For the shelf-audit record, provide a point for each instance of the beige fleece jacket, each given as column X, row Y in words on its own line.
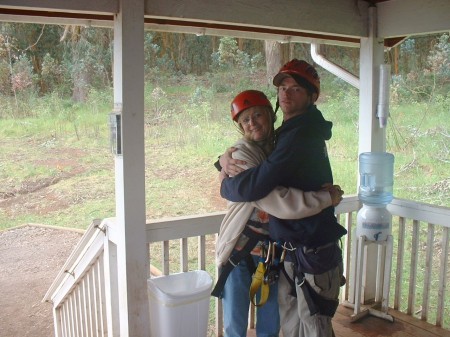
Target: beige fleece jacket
column 282, row 202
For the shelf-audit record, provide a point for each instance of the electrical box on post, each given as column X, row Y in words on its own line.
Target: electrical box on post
column 115, row 132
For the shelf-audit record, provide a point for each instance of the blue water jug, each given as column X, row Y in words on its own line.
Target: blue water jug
column 376, row 173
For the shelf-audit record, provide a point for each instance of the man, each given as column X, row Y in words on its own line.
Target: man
column 299, row 160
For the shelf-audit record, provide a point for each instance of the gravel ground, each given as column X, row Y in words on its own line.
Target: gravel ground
column 30, row 259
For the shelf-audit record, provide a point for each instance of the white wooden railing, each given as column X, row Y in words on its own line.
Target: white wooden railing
column 78, row 293
column 85, row 296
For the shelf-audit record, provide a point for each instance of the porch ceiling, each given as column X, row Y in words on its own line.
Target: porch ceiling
column 341, row 22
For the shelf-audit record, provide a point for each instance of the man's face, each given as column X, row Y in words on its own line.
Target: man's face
column 294, row 99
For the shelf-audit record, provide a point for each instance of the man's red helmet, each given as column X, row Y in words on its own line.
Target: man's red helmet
column 248, row 99
column 302, row 72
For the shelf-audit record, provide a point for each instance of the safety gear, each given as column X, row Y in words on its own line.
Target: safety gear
column 259, row 284
column 317, row 303
column 302, row 72
column 248, row 99
column 267, row 272
column 234, row 259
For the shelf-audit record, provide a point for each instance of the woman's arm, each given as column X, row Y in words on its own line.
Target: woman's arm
column 292, row 203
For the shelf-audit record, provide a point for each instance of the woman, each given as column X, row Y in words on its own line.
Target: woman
column 247, row 223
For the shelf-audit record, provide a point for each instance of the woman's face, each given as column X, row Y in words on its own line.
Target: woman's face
column 255, row 123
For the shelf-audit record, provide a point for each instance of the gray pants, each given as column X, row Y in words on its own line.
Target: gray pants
column 296, row 320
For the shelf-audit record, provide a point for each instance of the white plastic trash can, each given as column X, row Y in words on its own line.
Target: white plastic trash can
column 179, row 304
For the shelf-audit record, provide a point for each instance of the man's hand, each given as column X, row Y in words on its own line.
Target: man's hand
column 229, row 165
column 336, row 193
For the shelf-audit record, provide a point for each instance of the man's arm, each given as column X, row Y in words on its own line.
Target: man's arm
column 256, row 182
column 292, row 203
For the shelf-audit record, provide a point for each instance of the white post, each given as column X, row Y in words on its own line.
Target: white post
column 372, row 138
column 132, row 249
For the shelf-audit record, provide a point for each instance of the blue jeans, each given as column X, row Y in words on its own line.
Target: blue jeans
column 236, row 304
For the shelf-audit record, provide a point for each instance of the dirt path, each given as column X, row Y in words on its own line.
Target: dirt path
column 30, row 259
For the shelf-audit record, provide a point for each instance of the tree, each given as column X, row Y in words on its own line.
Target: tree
column 88, row 57
column 33, row 42
column 274, row 59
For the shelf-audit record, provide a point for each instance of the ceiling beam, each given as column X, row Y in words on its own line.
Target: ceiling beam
column 340, row 18
column 339, row 22
column 61, row 6
column 256, row 33
column 344, row 18
column 58, row 18
column 398, row 18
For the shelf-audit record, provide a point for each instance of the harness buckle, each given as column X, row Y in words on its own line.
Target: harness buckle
column 291, row 248
column 302, row 282
column 269, row 253
column 233, row 263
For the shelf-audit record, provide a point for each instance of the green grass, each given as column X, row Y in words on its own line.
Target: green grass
column 419, row 140
column 69, row 144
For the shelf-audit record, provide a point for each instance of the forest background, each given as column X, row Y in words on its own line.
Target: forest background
column 56, row 167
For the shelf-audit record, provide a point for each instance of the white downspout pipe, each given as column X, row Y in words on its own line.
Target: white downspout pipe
column 332, row 67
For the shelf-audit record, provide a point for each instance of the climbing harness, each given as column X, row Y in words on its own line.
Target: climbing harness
column 317, row 303
column 238, row 256
column 264, row 274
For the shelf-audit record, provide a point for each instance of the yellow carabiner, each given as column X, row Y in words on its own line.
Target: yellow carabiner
column 258, row 283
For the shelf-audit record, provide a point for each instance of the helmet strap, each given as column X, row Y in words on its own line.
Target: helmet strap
column 277, row 105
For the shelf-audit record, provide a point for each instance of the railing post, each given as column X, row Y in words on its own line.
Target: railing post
column 111, row 287
column 57, row 321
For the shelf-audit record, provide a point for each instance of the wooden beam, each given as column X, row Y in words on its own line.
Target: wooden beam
column 82, row 6
column 397, row 18
column 339, row 18
column 248, row 32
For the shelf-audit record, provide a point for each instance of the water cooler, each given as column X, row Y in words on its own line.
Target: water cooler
column 376, row 179
column 374, row 226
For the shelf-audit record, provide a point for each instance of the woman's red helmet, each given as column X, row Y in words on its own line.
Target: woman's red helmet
column 247, row 99
column 302, row 72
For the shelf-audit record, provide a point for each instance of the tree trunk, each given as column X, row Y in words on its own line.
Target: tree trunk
column 80, row 86
column 396, row 56
column 240, row 42
column 274, row 59
column 80, row 72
